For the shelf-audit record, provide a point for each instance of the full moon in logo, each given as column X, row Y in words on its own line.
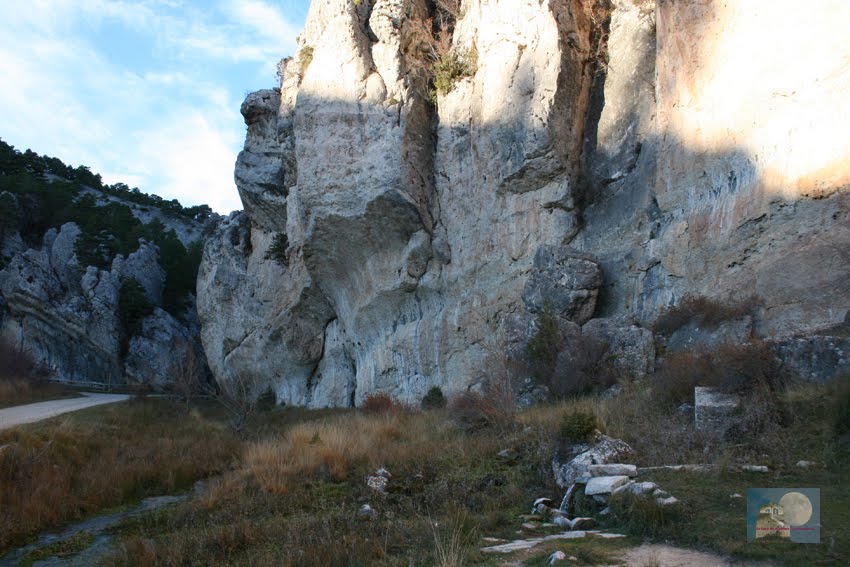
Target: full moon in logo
column 798, row 508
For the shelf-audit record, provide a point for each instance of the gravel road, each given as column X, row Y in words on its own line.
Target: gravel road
column 30, row 413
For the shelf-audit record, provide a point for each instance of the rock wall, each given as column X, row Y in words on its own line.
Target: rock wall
column 718, row 166
column 609, row 157
column 67, row 315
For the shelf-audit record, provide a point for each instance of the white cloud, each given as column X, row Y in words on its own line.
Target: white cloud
column 173, row 130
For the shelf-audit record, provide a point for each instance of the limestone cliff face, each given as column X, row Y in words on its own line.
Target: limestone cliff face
column 608, row 165
column 67, row 314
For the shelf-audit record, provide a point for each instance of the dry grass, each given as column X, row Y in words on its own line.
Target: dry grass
column 332, row 450
column 23, row 380
column 65, row 469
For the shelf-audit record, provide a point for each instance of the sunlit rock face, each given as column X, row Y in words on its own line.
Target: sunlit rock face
column 726, row 170
column 698, row 150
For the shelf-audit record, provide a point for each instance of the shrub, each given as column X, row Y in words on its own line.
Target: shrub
column 305, row 55
column 581, row 367
column 491, row 406
column 434, row 399
column 640, row 515
column 700, row 311
column 133, row 306
column 578, row 426
column 379, row 403
column 277, row 250
column 451, row 67
column 17, row 363
column 740, row 369
column 841, row 407
column 546, row 343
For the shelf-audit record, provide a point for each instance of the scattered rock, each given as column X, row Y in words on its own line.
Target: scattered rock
column 636, row 488
column 806, row 464
column 367, row 512
column 736, row 495
column 712, row 409
column 583, row 523
column 678, row 468
column 667, row 501
column 604, row 484
column 694, row 335
column 379, row 481
column 817, row 358
column 612, row 470
column 556, row 557
column 603, row 450
column 755, row 468
column 563, row 522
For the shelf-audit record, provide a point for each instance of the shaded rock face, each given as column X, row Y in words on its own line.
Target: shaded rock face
column 405, row 254
column 420, row 241
column 67, row 315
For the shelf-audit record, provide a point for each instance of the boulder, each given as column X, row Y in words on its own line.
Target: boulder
column 603, row 450
column 631, row 348
column 151, row 354
column 565, row 280
column 817, row 358
column 713, row 409
column 695, row 336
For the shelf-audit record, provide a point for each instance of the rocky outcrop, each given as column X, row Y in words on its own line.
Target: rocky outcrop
column 606, row 158
column 397, row 276
column 65, row 315
column 68, row 315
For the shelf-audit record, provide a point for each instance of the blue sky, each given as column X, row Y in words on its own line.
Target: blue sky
column 145, row 92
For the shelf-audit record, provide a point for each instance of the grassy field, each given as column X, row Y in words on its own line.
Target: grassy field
column 289, row 489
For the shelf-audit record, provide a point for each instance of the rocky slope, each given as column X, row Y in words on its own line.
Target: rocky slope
column 604, row 159
column 82, row 320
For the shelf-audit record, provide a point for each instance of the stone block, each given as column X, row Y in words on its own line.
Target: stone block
column 605, row 484
column 712, row 409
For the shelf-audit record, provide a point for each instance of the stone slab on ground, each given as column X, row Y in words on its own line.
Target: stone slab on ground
column 604, row 484
column 614, row 469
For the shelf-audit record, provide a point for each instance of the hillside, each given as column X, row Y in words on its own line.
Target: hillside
column 97, row 281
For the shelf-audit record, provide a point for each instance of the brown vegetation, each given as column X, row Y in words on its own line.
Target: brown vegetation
column 23, row 380
column 701, row 311
column 62, row 470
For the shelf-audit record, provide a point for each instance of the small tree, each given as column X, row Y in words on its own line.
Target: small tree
column 187, row 374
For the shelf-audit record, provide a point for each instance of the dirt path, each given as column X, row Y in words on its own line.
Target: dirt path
column 651, row 555
column 30, row 413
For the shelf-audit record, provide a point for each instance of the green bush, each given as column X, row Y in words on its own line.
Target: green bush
column 277, row 250
column 305, row 55
column 451, row 67
column 133, row 307
column 544, row 345
column 841, row 407
column 578, row 426
column 434, row 399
